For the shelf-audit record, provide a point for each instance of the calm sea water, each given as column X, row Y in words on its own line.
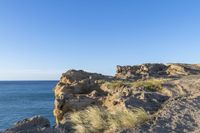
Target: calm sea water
column 24, row 99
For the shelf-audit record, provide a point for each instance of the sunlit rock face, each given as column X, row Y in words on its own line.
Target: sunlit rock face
column 156, row 70
column 141, row 71
column 76, row 90
column 166, row 92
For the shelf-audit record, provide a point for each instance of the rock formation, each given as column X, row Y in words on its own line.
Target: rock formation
column 156, row 70
column 168, row 93
column 75, row 91
column 31, row 125
column 180, row 114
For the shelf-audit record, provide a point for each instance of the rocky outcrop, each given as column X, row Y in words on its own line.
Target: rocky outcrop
column 168, row 93
column 141, row 71
column 156, row 70
column 76, row 90
column 37, row 124
column 79, row 89
column 180, row 114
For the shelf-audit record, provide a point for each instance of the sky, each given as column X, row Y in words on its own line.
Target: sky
column 41, row 39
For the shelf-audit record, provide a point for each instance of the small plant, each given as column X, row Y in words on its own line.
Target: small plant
column 154, row 85
column 150, row 84
column 98, row 120
column 116, row 84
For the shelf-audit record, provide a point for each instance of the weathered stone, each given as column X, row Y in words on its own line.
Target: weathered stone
column 149, row 101
column 75, row 91
column 156, row 70
column 140, row 71
column 32, row 125
column 78, row 89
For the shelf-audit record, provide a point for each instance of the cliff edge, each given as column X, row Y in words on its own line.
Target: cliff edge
column 143, row 98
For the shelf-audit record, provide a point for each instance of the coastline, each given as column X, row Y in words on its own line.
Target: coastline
column 147, row 93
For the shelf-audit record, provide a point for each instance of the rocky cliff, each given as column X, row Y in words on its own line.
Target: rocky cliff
column 156, row 70
column 143, row 98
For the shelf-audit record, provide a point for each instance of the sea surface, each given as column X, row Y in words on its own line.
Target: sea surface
column 24, row 99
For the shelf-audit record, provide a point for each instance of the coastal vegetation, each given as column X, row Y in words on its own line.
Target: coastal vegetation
column 153, row 84
column 140, row 98
column 97, row 120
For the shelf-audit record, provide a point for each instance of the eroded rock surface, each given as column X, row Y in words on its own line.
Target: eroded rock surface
column 149, row 101
column 181, row 114
column 156, row 70
column 184, row 81
column 173, row 106
column 37, row 124
column 76, row 90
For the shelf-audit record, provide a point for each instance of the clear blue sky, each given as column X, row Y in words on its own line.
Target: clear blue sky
column 40, row 39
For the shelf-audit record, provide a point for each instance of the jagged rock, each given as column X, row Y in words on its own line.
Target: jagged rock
column 74, row 91
column 183, row 69
column 175, row 108
column 141, row 71
column 37, row 124
column 79, row 89
column 78, row 82
column 156, row 70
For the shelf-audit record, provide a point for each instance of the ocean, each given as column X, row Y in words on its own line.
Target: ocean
column 24, row 99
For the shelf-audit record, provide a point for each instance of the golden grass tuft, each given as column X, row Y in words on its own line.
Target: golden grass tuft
column 98, row 120
column 127, row 119
column 150, row 84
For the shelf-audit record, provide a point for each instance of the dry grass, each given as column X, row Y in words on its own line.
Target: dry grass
column 150, row 84
column 98, row 120
column 116, row 84
column 127, row 119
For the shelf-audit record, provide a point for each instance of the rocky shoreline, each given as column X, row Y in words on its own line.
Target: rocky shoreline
column 156, row 97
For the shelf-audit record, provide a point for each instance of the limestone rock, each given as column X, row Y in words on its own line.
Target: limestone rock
column 173, row 106
column 35, row 124
column 149, row 101
column 76, row 90
column 156, row 70
column 141, row 71
column 179, row 114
